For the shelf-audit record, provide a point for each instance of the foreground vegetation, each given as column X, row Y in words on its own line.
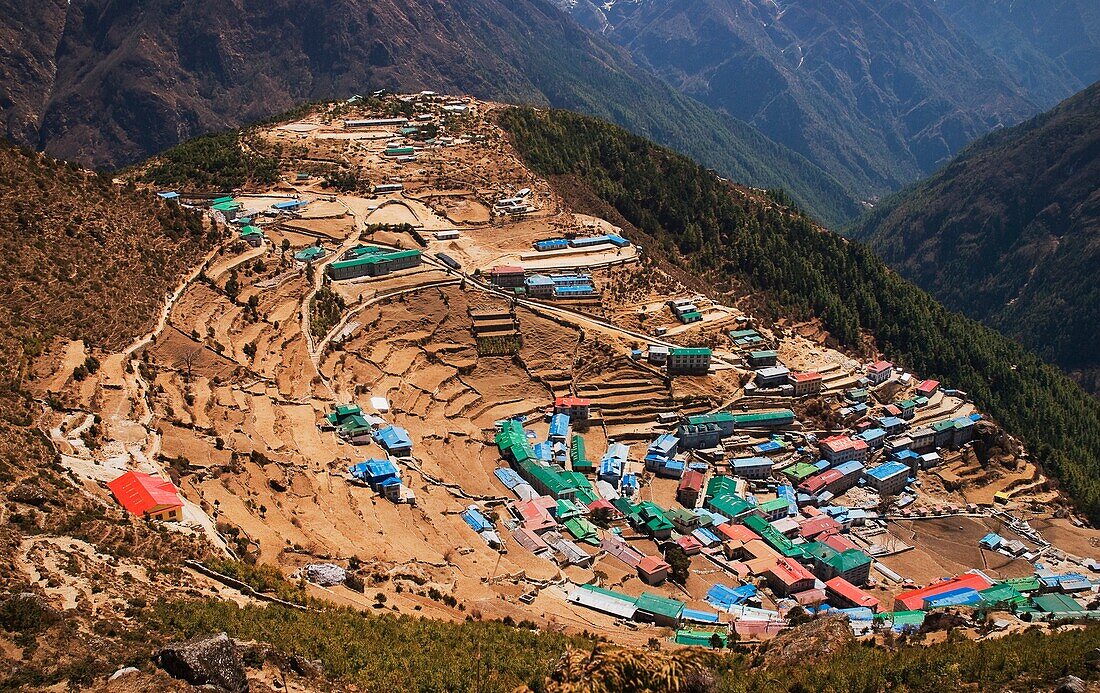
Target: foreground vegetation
column 405, row 653
column 383, row 653
column 804, row 271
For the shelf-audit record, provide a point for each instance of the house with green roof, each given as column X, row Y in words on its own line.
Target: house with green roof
column 774, row 538
column 799, row 472
column 662, row 611
column 851, row 564
column 310, row 253
column 733, row 507
column 373, row 264
column 688, row 361
column 583, row 530
column 764, row 419
column 649, row 518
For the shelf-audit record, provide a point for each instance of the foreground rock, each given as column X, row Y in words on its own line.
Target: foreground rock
column 212, row 660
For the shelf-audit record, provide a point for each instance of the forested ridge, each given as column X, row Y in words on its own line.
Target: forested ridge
column 1009, row 234
column 803, row 270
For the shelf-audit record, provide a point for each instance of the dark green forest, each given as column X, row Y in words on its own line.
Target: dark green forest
column 211, row 162
column 804, row 271
column 1009, row 234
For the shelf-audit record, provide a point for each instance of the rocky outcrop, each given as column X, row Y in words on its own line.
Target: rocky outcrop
column 210, row 660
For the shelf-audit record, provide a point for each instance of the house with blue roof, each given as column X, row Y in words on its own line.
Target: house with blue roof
column 559, row 428
column 888, row 478
column 395, row 440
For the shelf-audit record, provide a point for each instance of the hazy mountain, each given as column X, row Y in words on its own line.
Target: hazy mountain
column 107, row 82
column 1051, row 47
column 876, row 93
column 1009, row 233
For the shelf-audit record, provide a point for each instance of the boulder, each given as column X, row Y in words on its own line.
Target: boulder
column 209, row 660
column 1069, row 684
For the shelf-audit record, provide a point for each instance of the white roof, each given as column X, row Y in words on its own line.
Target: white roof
column 380, row 404
column 602, row 602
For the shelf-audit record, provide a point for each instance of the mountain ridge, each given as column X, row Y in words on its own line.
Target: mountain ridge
column 876, row 94
column 1008, row 233
column 125, row 81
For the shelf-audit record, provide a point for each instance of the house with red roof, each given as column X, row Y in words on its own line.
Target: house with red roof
column 914, row 599
column 927, row 388
column 844, row 594
column 653, row 570
column 508, row 276
column 805, row 383
column 689, row 544
column 149, row 496
column 573, row 407
column 816, row 526
column 839, row 449
column 787, row 577
column 691, row 484
column 880, row 371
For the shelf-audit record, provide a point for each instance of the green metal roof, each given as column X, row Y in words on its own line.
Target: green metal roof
column 716, row 418
column 1023, row 584
column 690, row 351
column 764, row 354
column 774, row 537
column 750, row 418
column 250, row 230
column 729, row 505
column 1001, row 593
column 848, row 559
column 1055, row 603
column 774, row 505
column 721, row 485
column 583, row 530
column 661, row 606
column 699, row 638
column 800, row 471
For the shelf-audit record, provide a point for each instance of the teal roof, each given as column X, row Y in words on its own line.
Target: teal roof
column 662, row 606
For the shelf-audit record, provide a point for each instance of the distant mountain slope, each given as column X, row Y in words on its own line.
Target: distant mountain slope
column 1009, row 233
column 725, row 237
column 1052, row 47
column 112, row 82
column 876, row 93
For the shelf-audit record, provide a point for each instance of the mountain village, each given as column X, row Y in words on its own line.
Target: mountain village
column 448, row 385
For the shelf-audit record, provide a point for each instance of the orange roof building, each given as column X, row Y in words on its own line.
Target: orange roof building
column 846, row 594
column 148, row 496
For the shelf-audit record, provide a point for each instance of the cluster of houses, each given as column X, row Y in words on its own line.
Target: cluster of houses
column 560, row 286
column 383, row 476
column 685, row 310
column 562, row 243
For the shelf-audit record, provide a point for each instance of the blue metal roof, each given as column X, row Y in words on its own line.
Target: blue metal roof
column 559, row 426
column 539, row 280
column 851, row 467
column 394, row 437
column 508, row 477
column 887, row 470
column 700, row 616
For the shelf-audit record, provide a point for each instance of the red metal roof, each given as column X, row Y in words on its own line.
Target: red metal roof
column 838, row 542
column 914, row 599
column 691, row 480
column 689, row 544
column 879, row 366
column 817, row 525
column 736, row 532
column 572, row 402
column 790, row 572
column 850, row 592
column 804, row 377
column 652, row 564
column 506, row 269
column 928, row 385
column 142, row 493
column 835, row 444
